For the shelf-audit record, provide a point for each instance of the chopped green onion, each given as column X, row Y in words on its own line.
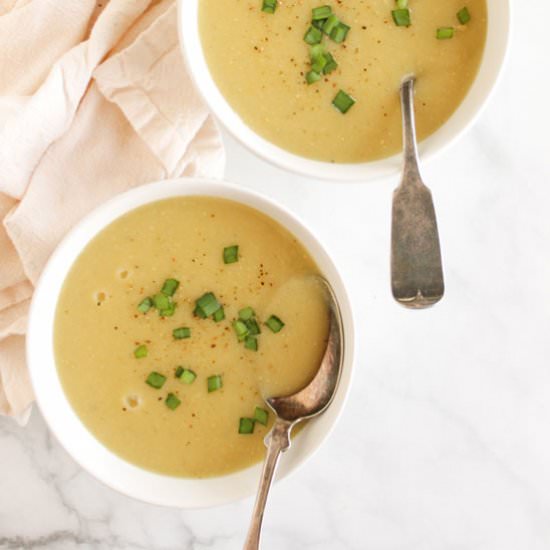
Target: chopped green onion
column 251, row 343
column 156, row 380
column 274, row 323
column 269, row 6
column 161, row 301
column 330, row 24
column 241, row 330
column 402, row 17
column 231, row 254
column 339, row 33
column 253, row 327
column 313, row 36
column 318, row 64
column 145, row 305
column 312, row 77
column 187, row 376
column 181, row 333
column 246, row 425
column 317, row 50
column 322, row 12
column 214, row 383
column 401, row 4
column 169, row 287
column 330, row 65
column 463, row 16
column 208, row 304
column 198, row 312
column 140, row 352
column 318, row 59
column 179, row 371
column 169, row 311
column 261, row 415
column 172, row 401
column 246, row 313
column 343, row 102
column 318, row 23
column 444, row 33
column 219, row 315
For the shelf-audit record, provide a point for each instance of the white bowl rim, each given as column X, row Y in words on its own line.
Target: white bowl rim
column 489, row 74
column 71, row 433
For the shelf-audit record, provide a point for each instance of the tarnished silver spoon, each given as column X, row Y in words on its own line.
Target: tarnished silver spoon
column 416, row 271
column 307, row 403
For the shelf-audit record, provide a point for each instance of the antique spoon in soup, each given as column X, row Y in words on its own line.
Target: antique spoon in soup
column 307, row 403
column 416, row 272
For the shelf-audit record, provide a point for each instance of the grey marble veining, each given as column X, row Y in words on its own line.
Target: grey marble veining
column 444, row 443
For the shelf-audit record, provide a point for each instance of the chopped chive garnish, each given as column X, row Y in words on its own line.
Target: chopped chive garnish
column 330, row 24
column 330, row 65
column 316, row 51
column 313, row 36
column 318, row 64
column 169, row 311
column 156, row 380
column 246, row 313
column 208, row 304
column 401, row 17
column 246, row 425
column 322, row 12
column 343, row 102
column 261, row 415
column 269, row 6
column 169, row 287
column 231, row 254
column 161, row 301
column 219, row 315
column 251, row 343
column 401, row 4
column 140, row 352
column 198, row 312
column 463, row 16
column 274, row 323
column 339, row 33
column 181, row 333
column 241, row 330
column 172, row 401
column 444, row 33
column 214, row 383
column 253, row 327
column 179, row 371
column 318, row 59
column 145, row 305
column 318, row 23
column 312, row 77
column 187, row 376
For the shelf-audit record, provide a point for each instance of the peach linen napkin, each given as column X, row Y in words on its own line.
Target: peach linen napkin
column 94, row 100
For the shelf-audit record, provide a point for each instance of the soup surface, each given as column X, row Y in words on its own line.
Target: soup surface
column 260, row 61
column 108, row 341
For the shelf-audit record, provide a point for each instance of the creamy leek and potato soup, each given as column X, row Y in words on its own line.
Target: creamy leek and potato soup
column 176, row 321
column 321, row 78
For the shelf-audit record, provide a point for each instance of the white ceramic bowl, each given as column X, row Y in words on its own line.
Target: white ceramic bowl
column 489, row 72
column 75, row 437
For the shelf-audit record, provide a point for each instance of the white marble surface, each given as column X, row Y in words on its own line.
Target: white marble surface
column 445, row 442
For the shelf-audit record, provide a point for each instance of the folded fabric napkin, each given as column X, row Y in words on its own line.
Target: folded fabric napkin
column 94, row 100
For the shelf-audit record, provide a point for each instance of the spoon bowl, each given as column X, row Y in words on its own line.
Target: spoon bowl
column 317, row 395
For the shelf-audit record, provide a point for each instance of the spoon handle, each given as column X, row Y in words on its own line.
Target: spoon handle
column 277, row 442
column 410, row 149
column 416, row 269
